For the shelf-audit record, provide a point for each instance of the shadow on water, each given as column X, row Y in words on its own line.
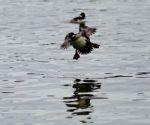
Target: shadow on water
column 83, row 92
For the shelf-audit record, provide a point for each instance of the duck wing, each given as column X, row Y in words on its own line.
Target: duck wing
column 66, row 43
column 88, row 31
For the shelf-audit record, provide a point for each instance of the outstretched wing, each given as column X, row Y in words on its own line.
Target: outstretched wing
column 66, row 42
column 88, row 31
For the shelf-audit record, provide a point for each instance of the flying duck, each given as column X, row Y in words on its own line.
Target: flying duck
column 78, row 19
column 80, row 42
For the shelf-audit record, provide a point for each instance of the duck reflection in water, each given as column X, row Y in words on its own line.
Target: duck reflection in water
column 79, row 103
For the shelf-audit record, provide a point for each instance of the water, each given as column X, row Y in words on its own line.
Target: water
column 40, row 84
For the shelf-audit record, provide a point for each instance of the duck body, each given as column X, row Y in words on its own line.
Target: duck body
column 80, row 43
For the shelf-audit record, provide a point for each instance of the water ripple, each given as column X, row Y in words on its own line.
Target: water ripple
column 84, row 91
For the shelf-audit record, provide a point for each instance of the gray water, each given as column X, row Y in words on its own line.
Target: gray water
column 40, row 84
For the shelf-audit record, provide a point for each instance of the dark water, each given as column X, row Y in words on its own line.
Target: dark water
column 40, row 84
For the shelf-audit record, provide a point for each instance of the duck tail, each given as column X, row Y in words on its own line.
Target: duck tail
column 94, row 45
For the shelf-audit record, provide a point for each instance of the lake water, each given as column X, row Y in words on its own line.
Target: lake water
column 40, row 84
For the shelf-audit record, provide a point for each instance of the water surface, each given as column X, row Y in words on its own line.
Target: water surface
column 40, row 84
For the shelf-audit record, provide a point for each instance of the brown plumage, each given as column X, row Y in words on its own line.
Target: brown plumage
column 80, row 42
column 87, row 30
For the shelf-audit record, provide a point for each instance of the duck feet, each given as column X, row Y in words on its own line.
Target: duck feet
column 76, row 56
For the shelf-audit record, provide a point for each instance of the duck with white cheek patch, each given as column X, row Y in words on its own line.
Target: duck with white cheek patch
column 80, row 42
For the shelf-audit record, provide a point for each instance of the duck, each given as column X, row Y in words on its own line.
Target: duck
column 80, row 42
column 78, row 19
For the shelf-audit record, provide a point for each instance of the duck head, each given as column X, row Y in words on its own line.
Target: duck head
column 82, row 15
column 71, row 35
